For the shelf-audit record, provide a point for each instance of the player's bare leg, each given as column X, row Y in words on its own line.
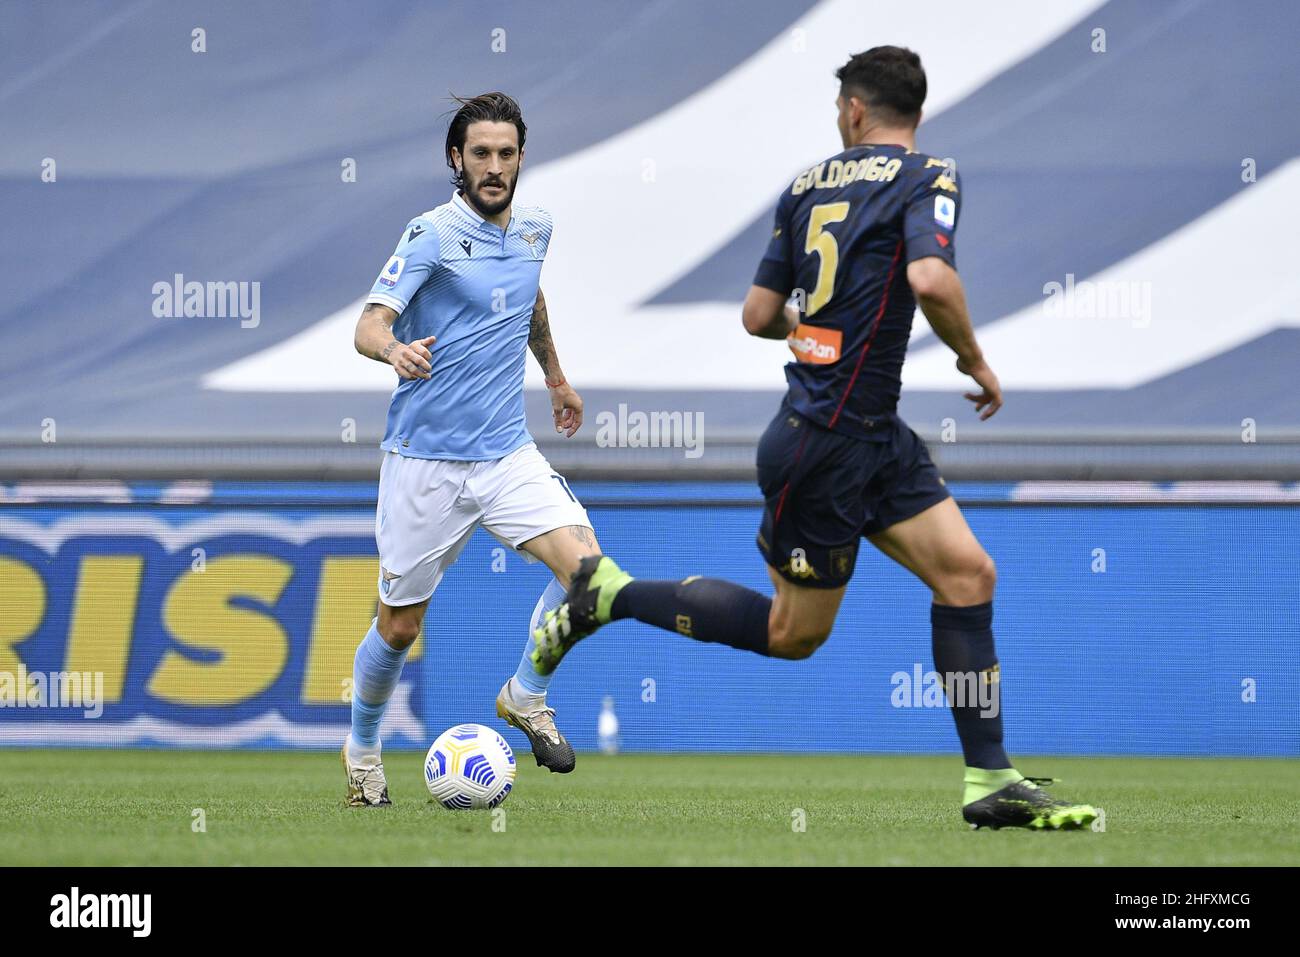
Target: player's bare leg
column 400, row 626
column 377, row 667
column 939, row 548
column 525, row 707
column 801, row 617
column 562, row 549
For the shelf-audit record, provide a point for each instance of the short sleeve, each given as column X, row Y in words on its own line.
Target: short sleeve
column 776, row 270
column 930, row 218
column 407, row 269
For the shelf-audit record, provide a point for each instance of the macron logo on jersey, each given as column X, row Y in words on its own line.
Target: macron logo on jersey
column 945, row 212
column 392, row 271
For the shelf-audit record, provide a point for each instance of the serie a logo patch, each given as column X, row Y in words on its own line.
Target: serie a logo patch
column 392, row 271
column 945, row 211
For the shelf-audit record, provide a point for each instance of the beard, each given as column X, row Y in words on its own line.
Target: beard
column 485, row 205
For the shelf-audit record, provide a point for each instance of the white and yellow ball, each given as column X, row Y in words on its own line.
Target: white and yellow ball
column 470, row 767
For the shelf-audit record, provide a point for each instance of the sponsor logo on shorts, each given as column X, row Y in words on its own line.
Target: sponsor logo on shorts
column 816, row 344
column 798, row 566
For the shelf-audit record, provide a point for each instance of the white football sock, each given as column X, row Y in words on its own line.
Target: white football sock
column 357, row 751
column 521, row 697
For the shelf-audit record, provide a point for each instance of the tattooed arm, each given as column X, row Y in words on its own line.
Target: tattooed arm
column 374, row 340
column 566, row 404
column 540, row 342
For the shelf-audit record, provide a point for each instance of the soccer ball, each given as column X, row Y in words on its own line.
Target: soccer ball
column 470, row 767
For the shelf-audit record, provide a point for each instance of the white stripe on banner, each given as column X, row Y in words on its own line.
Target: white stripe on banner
column 645, row 207
column 173, row 537
column 1222, row 280
column 1109, row 493
column 399, row 721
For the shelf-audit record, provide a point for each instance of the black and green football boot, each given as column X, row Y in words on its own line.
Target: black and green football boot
column 1023, row 803
column 586, row 607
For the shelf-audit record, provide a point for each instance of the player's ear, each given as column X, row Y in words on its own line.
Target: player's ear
column 857, row 112
column 455, row 158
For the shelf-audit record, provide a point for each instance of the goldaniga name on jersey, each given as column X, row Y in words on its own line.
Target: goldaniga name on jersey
column 873, row 169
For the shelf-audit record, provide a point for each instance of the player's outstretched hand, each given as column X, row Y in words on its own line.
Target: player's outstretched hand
column 414, row 361
column 989, row 400
column 566, row 406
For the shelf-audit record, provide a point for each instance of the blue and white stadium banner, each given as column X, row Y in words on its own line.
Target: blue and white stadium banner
column 1123, row 264
column 1134, row 619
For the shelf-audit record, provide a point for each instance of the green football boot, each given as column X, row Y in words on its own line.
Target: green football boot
column 586, row 607
column 1023, row 803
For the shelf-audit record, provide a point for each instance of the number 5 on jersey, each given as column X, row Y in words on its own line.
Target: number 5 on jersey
column 822, row 243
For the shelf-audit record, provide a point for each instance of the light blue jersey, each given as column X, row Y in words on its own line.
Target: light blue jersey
column 458, row 277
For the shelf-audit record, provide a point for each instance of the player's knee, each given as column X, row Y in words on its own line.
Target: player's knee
column 804, row 646
column 985, row 577
column 400, row 631
column 970, row 583
column 793, row 643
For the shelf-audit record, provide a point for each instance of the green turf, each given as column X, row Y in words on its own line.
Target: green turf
column 136, row 807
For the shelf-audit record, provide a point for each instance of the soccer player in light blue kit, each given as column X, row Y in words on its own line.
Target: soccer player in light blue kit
column 453, row 312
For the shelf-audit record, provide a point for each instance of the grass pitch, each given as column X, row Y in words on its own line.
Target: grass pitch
column 139, row 807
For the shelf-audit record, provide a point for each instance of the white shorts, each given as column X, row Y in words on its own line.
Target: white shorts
column 429, row 508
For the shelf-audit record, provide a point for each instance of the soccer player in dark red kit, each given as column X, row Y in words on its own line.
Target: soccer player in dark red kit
column 859, row 241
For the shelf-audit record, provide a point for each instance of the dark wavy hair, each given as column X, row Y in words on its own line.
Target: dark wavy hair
column 490, row 107
column 890, row 80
